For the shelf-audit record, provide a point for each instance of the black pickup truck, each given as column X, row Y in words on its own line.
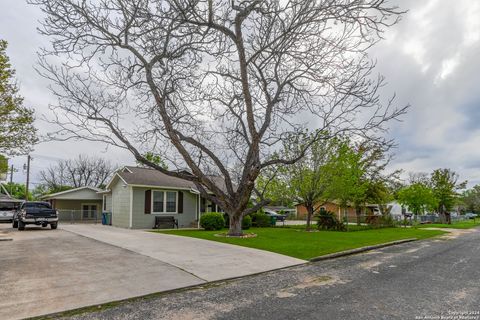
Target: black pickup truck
column 38, row 213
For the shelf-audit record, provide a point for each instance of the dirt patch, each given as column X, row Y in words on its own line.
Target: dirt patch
column 421, row 246
column 206, row 311
column 452, row 233
column 310, row 282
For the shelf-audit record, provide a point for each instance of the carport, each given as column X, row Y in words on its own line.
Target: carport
column 82, row 204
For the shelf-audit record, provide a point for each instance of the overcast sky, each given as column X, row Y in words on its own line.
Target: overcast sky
column 431, row 60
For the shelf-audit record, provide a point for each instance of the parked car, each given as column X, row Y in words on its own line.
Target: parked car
column 7, row 210
column 38, row 213
column 470, row 215
column 271, row 213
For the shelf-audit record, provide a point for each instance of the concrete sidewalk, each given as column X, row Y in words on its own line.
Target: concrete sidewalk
column 207, row 260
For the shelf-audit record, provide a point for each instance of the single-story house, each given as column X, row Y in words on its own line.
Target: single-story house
column 330, row 206
column 84, row 203
column 135, row 196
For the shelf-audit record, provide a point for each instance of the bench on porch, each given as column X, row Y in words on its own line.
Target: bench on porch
column 165, row 222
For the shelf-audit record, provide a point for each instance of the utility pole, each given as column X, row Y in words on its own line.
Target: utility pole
column 11, row 174
column 11, row 179
column 28, row 176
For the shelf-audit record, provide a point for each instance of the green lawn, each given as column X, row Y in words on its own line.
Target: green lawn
column 455, row 225
column 305, row 245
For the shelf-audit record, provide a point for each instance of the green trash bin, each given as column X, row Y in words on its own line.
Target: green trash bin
column 273, row 221
column 107, row 218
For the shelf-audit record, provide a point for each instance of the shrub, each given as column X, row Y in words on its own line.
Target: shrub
column 246, row 222
column 212, row 221
column 384, row 221
column 327, row 220
column 260, row 220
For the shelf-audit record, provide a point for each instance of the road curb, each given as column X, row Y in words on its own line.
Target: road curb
column 360, row 250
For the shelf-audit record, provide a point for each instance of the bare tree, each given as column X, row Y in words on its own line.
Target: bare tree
column 79, row 172
column 215, row 86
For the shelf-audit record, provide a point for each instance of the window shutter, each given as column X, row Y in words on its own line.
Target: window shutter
column 202, row 205
column 180, row 202
column 148, row 201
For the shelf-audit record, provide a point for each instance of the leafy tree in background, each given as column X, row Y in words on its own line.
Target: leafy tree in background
column 381, row 192
column 17, row 133
column 307, row 181
column 310, row 179
column 418, row 197
column 471, row 199
column 347, row 184
column 274, row 186
column 42, row 189
column 3, row 166
column 17, row 190
column 445, row 188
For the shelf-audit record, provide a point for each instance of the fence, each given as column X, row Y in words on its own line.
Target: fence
column 80, row 216
column 433, row 218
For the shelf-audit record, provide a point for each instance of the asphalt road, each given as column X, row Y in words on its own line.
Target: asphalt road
column 418, row 280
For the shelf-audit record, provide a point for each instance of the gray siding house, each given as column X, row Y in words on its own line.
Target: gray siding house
column 135, row 195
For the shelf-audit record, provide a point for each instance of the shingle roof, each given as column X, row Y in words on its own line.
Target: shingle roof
column 150, row 177
column 61, row 193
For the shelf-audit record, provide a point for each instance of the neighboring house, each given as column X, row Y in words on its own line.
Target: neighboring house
column 327, row 206
column 135, row 196
column 84, row 203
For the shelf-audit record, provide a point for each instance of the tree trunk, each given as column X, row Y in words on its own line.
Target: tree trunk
column 235, row 229
column 358, row 211
column 448, row 217
column 309, row 216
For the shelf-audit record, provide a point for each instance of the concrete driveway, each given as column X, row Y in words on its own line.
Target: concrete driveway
column 207, row 260
column 44, row 271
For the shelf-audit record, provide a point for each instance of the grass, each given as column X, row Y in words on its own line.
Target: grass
column 295, row 242
column 455, row 225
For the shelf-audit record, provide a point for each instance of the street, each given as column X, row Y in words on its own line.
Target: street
column 418, row 280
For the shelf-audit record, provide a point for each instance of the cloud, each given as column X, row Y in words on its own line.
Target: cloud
column 430, row 61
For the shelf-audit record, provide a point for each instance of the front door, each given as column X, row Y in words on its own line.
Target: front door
column 89, row 211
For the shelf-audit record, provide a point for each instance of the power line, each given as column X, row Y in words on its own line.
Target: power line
column 47, row 157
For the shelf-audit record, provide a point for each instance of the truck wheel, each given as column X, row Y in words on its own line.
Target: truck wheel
column 15, row 224
column 21, row 225
column 53, row 225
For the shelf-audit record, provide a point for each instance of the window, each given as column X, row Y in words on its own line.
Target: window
column 37, row 205
column 158, row 201
column 89, row 211
column 164, row 202
column 171, row 201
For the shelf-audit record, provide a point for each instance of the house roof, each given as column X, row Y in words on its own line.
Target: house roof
column 69, row 194
column 151, row 177
column 148, row 177
column 4, row 197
